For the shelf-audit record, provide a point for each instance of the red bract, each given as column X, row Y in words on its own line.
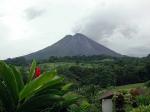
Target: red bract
column 37, row 71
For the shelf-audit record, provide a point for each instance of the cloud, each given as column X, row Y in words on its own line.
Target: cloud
column 1, row 15
column 104, row 22
column 4, row 32
column 139, row 51
column 32, row 13
column 119, row 25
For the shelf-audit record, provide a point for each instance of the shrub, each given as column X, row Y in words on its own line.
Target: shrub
column 84, row 107
column 92, row 93
column 143, row 100
column 137, row 91
column 142, row 109
column 119, row 103
column 48, row 92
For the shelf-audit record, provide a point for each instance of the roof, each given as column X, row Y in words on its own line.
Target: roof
column 107, row 95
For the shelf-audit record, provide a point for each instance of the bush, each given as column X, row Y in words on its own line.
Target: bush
column 92, row 93
column 142, row 109
column 143, row 100
column 84, row 107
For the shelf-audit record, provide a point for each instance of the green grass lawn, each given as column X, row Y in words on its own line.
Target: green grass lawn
column 68, row 64
column 128, row 87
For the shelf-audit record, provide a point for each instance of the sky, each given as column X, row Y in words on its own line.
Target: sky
column 27, row 26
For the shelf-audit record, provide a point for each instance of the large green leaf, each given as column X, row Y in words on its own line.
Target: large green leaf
column 67, row 86
column 53, row 84
column 54, row 87
column 18, row 77
column 49, row 91
column 36, row 104
column 9, row 79
column 36, row 84
column 70, row 98
column 32, row 71
column 6, row 98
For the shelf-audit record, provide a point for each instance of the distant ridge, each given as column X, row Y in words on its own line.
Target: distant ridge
column 72, row 45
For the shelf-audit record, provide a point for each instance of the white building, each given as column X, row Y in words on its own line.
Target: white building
column 107, row 104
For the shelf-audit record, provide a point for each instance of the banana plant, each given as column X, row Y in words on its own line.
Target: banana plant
column 46, row 93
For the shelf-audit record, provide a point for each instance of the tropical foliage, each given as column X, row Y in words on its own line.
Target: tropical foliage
column 143, row 100
column 46, row 93
column 142, row 109
column 106, row 72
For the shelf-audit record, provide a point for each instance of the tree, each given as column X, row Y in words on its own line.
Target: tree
column 19, row 61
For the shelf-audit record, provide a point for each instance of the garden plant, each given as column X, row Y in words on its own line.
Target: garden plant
column 46, row 92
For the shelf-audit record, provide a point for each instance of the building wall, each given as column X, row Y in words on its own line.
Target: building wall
column 107, row 105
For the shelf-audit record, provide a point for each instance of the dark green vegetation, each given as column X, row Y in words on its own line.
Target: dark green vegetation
column 102, row 71
column 142, row 109
column 19, row 61
column 93, row 75
column 98, row 70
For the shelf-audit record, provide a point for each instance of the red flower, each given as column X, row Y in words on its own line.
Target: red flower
column 37, row 71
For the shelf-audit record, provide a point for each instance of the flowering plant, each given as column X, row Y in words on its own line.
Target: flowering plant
column 45, row 92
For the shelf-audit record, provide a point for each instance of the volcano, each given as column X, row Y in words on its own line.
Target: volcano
column 73, row 45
